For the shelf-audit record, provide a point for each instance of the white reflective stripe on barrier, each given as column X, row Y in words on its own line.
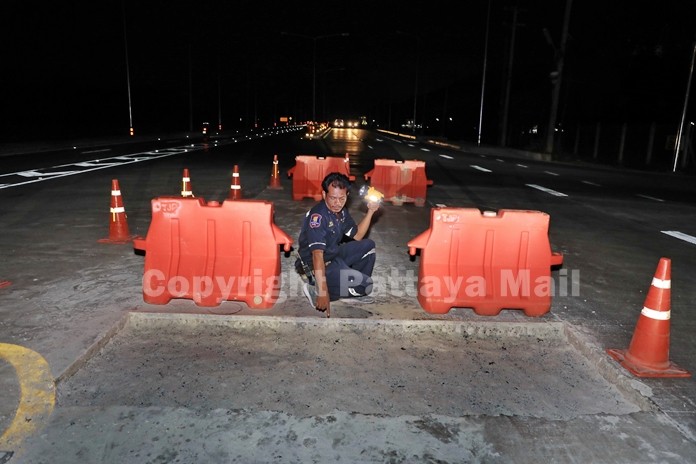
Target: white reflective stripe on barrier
column 657, row 315
column 235, row 174
column 235, row 187
column 115, row 193
column 659, row 283
column 118, row 209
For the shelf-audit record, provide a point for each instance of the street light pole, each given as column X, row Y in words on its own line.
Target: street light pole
column 314, row 80
column 683, row 118
column 314, row 62
column 483, row 79
column 415, row 88
column 125, row 43
column 555, row 95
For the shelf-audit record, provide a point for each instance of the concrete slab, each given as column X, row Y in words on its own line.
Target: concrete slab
column 216, row 388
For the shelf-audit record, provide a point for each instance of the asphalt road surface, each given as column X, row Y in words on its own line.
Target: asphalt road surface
column 89, row 372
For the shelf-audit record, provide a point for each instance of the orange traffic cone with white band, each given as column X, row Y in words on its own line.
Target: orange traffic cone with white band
column 118, row 226
column 235, row 188
column 275, row 175
column 186, row 191
column 648, row 353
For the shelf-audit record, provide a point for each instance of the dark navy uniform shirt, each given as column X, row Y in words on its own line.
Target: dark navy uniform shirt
column 323, row 230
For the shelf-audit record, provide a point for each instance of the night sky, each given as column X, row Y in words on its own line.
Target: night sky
column 65, row 72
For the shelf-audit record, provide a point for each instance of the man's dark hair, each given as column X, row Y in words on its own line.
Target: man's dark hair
column 335, row 179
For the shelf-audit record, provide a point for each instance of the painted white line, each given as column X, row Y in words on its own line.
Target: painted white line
column 551, row 173
column 544, row 189
column 500, row 160
column 522, row 165
column 425, row 149
column 91, row 164
column 590, row 183
column 95, row 151
column 680, row 236
column 94, row 165
column 480, row 168
column 447, row 157
column 649, row 197
column 45, row 174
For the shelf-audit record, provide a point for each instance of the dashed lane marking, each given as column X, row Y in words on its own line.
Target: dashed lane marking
column 648, row 197
column 37, row 394
column 547, row 190
column 680, row 235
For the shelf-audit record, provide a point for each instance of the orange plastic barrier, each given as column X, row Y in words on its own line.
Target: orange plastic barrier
column 212, row 252
column 400, row 181
column 485, row 261
column 309, row 171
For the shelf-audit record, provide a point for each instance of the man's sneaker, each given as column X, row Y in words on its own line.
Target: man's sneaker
column 365, row 299
column 311, row 294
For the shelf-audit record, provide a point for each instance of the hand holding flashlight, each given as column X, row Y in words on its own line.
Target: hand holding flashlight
column 371, row 196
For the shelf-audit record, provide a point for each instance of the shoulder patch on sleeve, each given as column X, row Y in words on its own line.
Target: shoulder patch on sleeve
column 315, row 221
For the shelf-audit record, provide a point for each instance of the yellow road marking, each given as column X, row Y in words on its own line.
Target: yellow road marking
column 37, row 393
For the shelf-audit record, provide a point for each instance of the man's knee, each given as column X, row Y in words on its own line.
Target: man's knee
column 368, row 248
column 350, row 278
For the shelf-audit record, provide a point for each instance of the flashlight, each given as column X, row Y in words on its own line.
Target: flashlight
column 371, row 194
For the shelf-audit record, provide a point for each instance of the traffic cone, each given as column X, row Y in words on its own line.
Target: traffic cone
column 275, row 175
column 186, row 190
column 235, row 188
column 118, row 226
column 648, row 353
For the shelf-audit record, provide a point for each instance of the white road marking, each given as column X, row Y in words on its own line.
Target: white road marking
column 45, row 174
column 544, row 189
column 680, row 236
column 649, row 197
column 40, row 175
